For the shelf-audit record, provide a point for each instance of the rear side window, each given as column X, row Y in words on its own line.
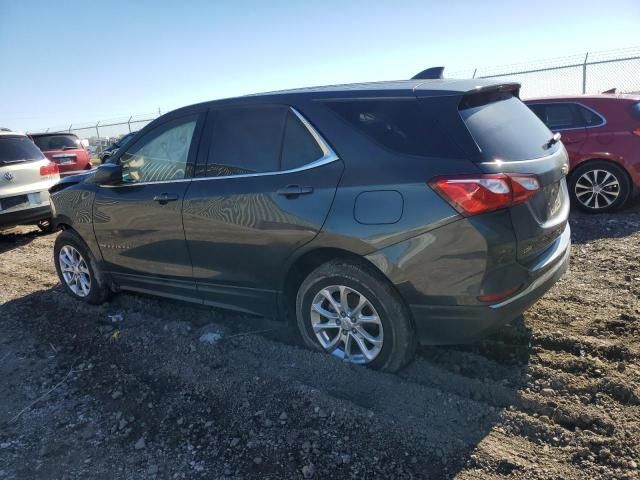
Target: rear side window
column 57, row 142
column 506, row 129
column 590, row 118
column 635, row 110
column 299, row 147
column 16, row 149
column 399, row 125
column 246, row 140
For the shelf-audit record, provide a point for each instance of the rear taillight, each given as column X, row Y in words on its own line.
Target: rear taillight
column 49, row 169
column 475, row 194
column 636, row 132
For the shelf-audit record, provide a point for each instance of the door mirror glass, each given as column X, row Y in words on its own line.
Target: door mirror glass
column 108, row 174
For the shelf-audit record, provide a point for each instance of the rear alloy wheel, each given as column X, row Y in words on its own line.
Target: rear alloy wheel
column 352, row 312
column 346, row 324
column 600, row 187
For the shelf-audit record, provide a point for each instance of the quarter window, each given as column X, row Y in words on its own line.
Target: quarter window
column 560, row 116
column 161, row 155
column 591, row 119
column 399, row 125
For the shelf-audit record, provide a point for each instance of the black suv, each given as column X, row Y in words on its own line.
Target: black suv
column 372, row 216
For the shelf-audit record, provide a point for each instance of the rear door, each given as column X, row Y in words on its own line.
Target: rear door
column 267, row 187
column 564, row 117
column 138, row 223
column 512, row 140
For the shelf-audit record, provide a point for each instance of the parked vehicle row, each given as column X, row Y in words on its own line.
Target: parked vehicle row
column 374, row 216
column 602, row 136
column 25, row 178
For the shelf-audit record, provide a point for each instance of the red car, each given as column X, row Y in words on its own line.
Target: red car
column 602, row 135
column 64, row 149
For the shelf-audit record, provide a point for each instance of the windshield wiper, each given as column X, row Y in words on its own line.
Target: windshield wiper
column 555, row 139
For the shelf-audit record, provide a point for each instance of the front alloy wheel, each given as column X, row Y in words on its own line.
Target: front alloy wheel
column 75, row 271
column 346, row 324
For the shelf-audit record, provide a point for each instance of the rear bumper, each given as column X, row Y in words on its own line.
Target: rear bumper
column 447, row 324
column 25, row 216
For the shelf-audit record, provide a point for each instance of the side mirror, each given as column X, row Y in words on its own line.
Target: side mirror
column 108, row 174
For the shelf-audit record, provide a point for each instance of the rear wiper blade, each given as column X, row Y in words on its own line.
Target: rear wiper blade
column 555, row 139
column 9, row 162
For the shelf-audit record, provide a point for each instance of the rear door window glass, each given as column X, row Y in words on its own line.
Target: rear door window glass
column 506, row 129
column 246, row 140
column 590, row 118
column 398, row 125
column 299, row 147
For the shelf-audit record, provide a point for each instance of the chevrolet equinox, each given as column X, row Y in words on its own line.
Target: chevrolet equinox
column 372, row 216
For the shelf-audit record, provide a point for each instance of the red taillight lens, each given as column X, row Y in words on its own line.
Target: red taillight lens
column 49, row 169
column 636, row 131
column 474, row 194
column 496, row 297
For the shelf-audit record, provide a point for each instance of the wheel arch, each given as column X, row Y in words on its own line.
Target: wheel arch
column 303, row 265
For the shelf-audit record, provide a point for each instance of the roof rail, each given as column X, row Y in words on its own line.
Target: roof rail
column 430, row 74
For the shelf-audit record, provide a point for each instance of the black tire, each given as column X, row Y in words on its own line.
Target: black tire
column 99, row 290
column 46, row 226
column 399, row 341
column 583, row 175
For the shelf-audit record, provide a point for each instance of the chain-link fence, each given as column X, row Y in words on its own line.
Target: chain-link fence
column 594, row 72
column 586, row 73
column 103, row 133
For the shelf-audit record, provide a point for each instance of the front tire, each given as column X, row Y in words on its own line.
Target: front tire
column 352, row 312
column 599, row 186
column 78, row 270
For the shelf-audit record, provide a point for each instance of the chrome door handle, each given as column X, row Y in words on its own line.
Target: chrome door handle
column 165, row 198
column 294, row 190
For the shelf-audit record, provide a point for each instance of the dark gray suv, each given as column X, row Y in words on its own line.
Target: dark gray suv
column 373, row 216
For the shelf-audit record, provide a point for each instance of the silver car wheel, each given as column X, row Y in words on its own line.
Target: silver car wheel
column 75, row 271
column 597, row 189
column 346, row 324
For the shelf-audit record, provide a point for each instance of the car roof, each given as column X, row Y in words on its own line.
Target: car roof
column 598, row 96
column 48, row 134
column 433, row 87
column 9, row 133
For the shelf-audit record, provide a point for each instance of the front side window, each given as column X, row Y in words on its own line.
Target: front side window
column 246, row 140
column 161, row 155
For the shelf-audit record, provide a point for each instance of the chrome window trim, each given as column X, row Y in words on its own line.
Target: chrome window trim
column 604, row 120
column 328, row 156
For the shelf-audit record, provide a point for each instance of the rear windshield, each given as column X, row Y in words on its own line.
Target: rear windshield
column 16, row 149
column 56, row 142
column 504, row 128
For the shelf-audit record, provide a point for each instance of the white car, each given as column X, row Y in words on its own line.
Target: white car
column 25, row 178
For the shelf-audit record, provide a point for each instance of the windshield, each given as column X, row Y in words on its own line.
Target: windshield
column 56, row 142
column 18, row 148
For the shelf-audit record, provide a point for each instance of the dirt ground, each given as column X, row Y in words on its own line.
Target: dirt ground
column 128, row 390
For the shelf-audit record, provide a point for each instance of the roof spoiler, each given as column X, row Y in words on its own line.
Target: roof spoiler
column 432, row 73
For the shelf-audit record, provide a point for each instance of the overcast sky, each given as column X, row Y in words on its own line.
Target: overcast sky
column 64, row 62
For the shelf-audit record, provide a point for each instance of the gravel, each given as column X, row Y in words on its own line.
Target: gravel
column 554, row 395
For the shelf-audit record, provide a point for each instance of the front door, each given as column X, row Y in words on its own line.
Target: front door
column 138, row 223
column 267, row 189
